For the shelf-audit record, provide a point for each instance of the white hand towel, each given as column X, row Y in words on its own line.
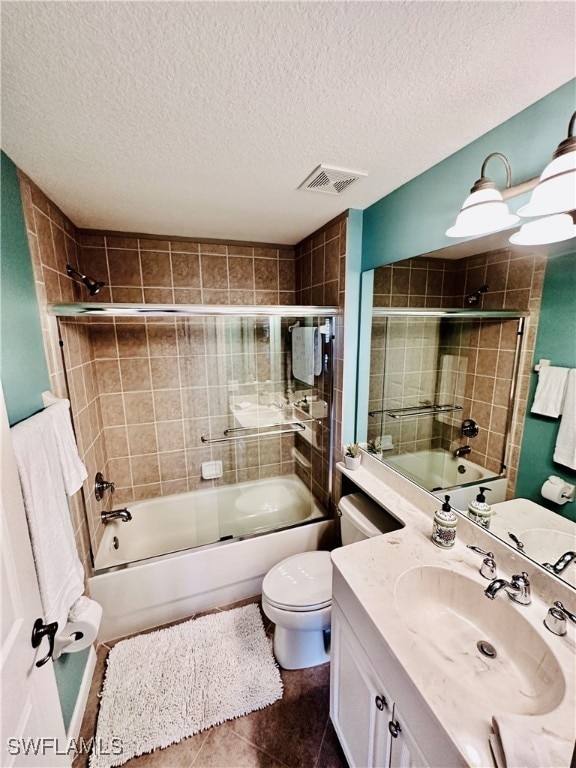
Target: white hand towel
column 60, row 573
column 317, row 353
column 516, row 745
column 73, row 470
column 303, row 354
column 549, row 394
column 565, row 451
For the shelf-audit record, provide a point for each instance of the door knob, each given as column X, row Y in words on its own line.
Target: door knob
column 41, row 630
column 394, row 728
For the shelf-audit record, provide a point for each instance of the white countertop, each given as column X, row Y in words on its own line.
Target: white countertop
column 372, row 569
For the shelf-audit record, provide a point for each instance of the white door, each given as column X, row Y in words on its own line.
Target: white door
column 32, row 730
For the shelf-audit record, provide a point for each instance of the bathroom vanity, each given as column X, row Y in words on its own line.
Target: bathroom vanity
column 422, row 660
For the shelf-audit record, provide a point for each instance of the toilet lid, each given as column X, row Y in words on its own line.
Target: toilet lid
column 300, row 583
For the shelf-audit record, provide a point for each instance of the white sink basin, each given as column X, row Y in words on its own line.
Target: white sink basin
column 449, row 614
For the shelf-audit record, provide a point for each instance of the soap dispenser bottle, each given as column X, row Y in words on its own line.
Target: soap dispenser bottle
column 444, row 526
column 479, row 511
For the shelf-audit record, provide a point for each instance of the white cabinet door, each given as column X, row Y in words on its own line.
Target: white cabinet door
column 404, row 751
column 360, row 708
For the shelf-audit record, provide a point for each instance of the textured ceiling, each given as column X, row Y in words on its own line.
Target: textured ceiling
column 202, row 119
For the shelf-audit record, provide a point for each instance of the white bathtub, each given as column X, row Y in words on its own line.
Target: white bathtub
column 438, row 469
column 156, row 574
column 441, row 472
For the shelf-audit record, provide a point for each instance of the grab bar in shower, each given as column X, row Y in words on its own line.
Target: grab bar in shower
column 295, row 426
column 417, row 410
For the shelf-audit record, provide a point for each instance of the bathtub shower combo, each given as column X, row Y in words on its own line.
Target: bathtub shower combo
column 441, row 393
column 254, row 414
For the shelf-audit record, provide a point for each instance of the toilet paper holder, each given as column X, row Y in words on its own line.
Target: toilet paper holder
column 558, row 490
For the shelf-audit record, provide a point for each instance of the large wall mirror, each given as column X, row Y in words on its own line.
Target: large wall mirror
column 450, row 341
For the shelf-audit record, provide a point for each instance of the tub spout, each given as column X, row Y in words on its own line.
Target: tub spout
column 464, row 450
column 116, row 514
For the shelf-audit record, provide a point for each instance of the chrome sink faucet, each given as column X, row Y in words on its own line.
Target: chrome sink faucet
column 518, row 589
column 116, row 514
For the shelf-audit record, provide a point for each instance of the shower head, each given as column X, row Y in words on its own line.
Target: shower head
column 474, row 298
column 93, row 285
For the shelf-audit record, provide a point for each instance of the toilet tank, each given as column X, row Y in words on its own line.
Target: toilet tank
column 362, row 518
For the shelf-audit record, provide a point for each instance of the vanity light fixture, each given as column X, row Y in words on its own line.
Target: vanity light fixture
column 93, row 286
column 484, row 210
column 556, row 189
column 554, row 199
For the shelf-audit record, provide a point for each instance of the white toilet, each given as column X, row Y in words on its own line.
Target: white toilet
column 297, row 593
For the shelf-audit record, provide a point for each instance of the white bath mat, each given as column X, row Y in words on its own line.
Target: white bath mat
column 170, row 684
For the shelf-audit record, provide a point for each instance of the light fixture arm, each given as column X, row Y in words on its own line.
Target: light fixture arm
column 484, row 182
column 569, row 143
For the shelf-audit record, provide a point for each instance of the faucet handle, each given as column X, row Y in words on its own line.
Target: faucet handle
column 555, row 620
column 488, row 567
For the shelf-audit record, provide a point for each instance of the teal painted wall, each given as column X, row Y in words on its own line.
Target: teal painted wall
column 23, row 368
column 412, row 220
column 556, row 341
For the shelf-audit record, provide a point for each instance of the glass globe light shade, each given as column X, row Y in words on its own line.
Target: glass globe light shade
column 484, row 211
column 556, row 190
column 552, row 229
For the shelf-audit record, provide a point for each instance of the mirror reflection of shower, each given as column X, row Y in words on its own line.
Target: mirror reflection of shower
column 432, row 413
column 94, row 286
column 473, row 299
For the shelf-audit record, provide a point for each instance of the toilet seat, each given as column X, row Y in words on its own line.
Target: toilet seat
column 300, row 583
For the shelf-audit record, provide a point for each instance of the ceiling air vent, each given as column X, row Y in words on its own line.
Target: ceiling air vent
column 331, row 181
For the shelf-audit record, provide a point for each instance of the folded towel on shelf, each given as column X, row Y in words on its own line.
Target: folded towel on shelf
column 73, row 470
column 549, row 394
column 565, row 450
column 60, row 572
column 304, row 346
column 516, row 745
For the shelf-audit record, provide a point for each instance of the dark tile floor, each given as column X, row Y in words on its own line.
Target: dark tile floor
column 295, row 732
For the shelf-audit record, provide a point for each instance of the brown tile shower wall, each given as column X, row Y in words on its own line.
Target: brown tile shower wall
column 162, row 387
column 144, row 269
column 515, row 279
column 320, row 280
column 53, row 242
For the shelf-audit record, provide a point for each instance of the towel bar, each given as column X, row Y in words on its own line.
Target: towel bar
column 417, row 410
column 295, row 426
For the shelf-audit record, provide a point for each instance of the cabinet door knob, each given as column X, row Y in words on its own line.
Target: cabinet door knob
column 381, row 702
column 394, row 728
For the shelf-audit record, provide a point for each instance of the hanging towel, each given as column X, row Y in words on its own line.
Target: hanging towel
column 304, row 343
column 550, row 391
column 73, row 470
column 317, row 353
column 565, row 451
column 451, row 389
column 516, row 743
column 60, row 572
